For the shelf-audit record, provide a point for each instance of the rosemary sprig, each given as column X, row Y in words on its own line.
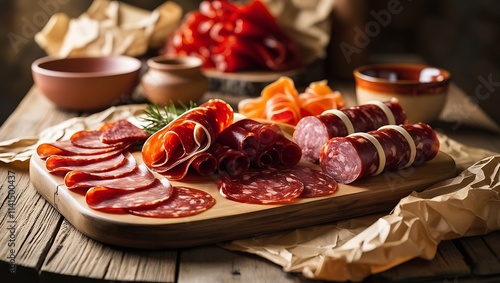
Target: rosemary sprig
column 157, row 117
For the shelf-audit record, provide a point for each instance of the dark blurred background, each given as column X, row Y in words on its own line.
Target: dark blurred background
column 461, row 36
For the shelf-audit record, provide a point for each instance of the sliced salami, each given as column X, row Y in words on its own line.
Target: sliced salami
column 139, row 178
column 350, row 158
column 89, row 163
column 240, row 139
column 312, row 132
column 261, row 187
column 290, row 152
column 67, row 148
column 316, row 183
column 121, row 201
column 122, row 131
column 229, row 161
column 183, row 202
column 75, row 176
column 91, row 139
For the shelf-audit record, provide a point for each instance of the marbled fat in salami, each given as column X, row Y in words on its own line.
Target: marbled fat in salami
column 121, row 201
column 316, row 183
column 261, row 187
column 350, row 158
column 183, row 202
column 312, row 132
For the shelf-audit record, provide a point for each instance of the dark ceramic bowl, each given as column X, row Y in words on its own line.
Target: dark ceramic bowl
column 86, row 83
column 420, row 89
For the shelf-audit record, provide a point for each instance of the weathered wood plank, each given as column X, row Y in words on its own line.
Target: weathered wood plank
column 214, row 264
column 74, row 257
column 448, row 263
column 484, row 261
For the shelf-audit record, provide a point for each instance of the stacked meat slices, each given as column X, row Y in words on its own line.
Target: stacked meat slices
column 98, row 164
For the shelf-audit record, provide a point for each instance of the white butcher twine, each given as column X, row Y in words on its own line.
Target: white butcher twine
column 388, row 113
column 409, row 139
column 343, row 117
column 378, row 146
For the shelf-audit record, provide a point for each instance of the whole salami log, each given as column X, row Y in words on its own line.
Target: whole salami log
column 350, row 158
column 312, row 132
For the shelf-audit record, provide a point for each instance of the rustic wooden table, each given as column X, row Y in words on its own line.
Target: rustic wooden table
column 49, row 249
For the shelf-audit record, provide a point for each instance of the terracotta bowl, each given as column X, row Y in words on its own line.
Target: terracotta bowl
column 86, row 83
column 421, row 89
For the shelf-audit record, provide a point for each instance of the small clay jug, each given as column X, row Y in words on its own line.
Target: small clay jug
column 174, row 79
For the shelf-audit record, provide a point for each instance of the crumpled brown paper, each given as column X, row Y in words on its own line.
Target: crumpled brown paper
column 109, row 28
column 468, row 204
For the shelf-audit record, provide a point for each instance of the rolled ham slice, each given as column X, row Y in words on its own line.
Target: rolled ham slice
column 189, row 134
column 358, row 155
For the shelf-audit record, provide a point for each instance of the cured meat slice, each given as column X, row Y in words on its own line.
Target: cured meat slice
column 121, row 201
column 350, row 158
column 123, row 131
column 190, row 133
column 261, row 187
column 229, row 161
column 316, row 183
column 91, row 139
column 203, row 162
column 89, row 163
column 238, row 138
column 290, row 152
column 183, row 202
column 75, row 176
column 139, row 178
column 312, row 132
column 67, row 148
column 268, row 157
column 266, row 134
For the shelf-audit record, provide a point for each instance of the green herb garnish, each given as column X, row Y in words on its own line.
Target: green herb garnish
column 158, row 117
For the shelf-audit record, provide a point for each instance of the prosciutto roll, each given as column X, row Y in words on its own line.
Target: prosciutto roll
column 312, row 132
column 350, row 158
column 189, row 134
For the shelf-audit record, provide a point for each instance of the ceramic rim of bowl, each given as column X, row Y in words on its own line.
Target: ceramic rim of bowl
column 174, row 62
column 124, row 65
column 404, row 86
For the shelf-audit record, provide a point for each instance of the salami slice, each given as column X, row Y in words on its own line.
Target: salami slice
column 261, row 187
column 121, row 201
column 290, row 152
column 350, row 158
column 268, row 157
column 67, row 148
column 312, row 132
column 183, row 202
column 91, row 139
column 240, row 139
column 75, row 176
column 123, row 131
column 316, row 183
column 139, row 178
column 90, row 163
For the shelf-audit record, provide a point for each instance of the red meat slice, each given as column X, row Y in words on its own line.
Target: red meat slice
column 123, row 131
column 316, row 182
column 183, row 202
column 120, row 201
column 89, row 163
column 261, row 187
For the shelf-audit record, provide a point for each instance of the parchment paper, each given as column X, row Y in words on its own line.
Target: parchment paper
column 109, row 28
column 468, row 204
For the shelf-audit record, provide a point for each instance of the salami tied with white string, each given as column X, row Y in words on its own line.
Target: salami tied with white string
column 350, row 158
column 312, row 132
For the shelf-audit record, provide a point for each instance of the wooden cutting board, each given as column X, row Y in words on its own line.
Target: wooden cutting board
column 228, row 220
